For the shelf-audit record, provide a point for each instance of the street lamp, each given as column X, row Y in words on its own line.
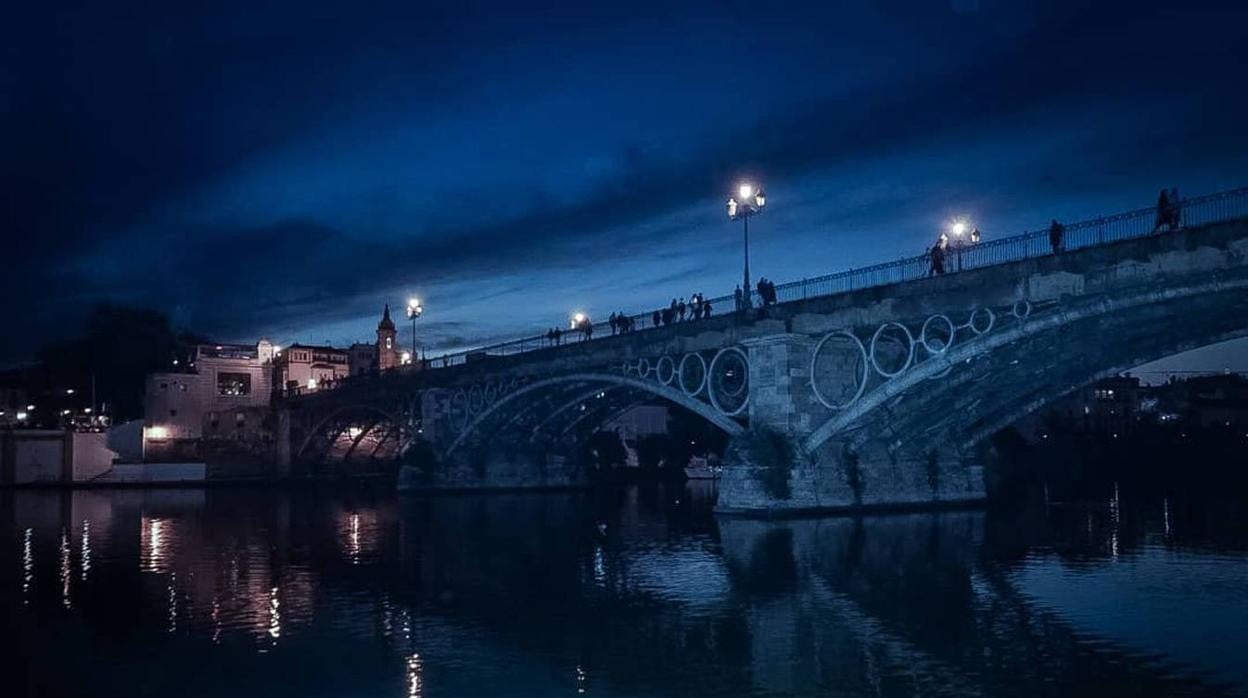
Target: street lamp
column 958, row 230
column 748, row 202
column 414, row 310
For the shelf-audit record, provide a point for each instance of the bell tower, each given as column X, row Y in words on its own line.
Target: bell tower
column 387, row 351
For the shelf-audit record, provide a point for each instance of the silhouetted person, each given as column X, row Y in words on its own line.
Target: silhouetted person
column 706, row 309
column 937, row 256
column 1163, row 211
column 736, row 295
column 1057, row 235
column 761, row 288
column 656, row 318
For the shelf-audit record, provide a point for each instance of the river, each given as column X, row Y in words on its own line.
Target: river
column 635, row 591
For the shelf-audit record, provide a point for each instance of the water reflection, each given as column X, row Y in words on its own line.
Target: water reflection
column 28, row 564
column 275, row 615
column 86, row 549
column 415, row 680
column 154, row 542
column 531, row 594
column 66, row 569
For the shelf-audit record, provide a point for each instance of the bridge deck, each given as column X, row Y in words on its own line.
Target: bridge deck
column 1139, row 223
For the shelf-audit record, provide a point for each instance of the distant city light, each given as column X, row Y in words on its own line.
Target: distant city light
column 21, row 416
column 311, row 384
column 405, row 357
column 30, row 408
column 69, row 391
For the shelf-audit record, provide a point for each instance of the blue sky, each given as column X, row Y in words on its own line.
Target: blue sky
column 284, row 169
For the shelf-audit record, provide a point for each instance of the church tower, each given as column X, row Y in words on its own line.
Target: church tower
column 387, row 349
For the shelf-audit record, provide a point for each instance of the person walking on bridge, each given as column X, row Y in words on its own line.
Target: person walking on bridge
column 936, row 259
column 1165, row 217
column 1057, row 234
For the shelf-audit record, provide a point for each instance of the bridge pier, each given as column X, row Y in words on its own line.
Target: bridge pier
column 770, row 469
column 283, row 454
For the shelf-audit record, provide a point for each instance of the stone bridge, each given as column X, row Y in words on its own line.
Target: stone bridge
column 883, row 396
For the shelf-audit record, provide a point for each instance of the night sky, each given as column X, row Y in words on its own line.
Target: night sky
column 283, row 169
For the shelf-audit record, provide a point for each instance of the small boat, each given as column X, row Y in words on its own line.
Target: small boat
column 700, row 468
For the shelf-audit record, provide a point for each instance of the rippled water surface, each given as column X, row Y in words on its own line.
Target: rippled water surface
column 635, row 592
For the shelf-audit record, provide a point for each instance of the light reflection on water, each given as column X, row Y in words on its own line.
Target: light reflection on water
column 637, row 592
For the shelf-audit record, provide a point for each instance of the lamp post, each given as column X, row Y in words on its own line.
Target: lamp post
column 958, row 229
column 751, row 202
column 414, row 310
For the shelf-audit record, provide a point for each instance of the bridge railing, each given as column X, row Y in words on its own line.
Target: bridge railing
column 1201, row 210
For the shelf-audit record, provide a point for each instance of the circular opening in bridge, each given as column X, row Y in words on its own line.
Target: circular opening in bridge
column 838, row 370
column 491, row 393
column 692, row 374
column 476, row 400
column 665, row 370
column 643, row 367
column 729, row 377
column 937, row 334
column 892, row 349
column 1022, row 309
column 982, row 320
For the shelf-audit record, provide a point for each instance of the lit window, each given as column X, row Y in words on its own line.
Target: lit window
column 233, row 384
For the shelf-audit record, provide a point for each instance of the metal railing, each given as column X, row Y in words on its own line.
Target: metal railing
column 1192, row 212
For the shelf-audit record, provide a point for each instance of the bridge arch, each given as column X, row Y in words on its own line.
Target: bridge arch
column 921, row 393
column 331, row 420
column 673, row 395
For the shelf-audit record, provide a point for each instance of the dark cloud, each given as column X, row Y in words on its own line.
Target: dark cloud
column 126, row 124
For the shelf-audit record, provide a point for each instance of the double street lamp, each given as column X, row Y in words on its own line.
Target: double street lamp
column 748, row 202
column 414, row 310
column 960, row 238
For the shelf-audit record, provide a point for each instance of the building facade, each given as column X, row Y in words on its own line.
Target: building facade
column 362, row 359
column 304, row 368
column 222, row 382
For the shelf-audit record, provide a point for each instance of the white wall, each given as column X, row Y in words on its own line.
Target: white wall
column 92, row 457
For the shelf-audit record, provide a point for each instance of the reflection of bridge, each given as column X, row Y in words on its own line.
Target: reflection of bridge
column 882, row 390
